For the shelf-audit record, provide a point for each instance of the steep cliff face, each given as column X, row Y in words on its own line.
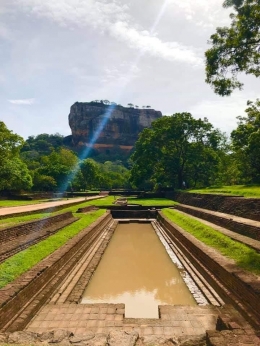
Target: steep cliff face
column 106, row 126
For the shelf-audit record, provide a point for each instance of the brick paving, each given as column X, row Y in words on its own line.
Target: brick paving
column 104, row 318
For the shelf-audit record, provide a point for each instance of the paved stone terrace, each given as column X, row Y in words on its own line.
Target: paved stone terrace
column 104, row 318
column 42, row 206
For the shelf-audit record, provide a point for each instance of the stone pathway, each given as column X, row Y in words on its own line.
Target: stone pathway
column 44, row 205
column 103, row 318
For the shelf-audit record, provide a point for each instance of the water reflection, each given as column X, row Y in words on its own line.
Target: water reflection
column 137, row 271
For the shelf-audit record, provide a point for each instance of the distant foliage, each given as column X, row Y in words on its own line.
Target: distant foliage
column 43, row 143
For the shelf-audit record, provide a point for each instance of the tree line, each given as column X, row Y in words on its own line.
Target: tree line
column 176, row 151
column 181, row 151
column 43, row 163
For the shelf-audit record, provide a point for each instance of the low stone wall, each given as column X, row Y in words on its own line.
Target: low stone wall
column 231, row 329
column 238, row 227
column 240, row 288
column 87, row 209
column 47, row 273
column 10, row 233
column 240, row 206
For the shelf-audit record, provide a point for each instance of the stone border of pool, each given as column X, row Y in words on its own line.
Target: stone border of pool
column 235, row 286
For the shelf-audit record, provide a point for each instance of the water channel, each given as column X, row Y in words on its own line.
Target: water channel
column 137, row 271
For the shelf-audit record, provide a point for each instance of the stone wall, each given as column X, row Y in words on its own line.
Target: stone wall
column 45, row 275
column 134, row 214
column 235, row 226
column 240, row 206
column 87, row 209
column 240, row 288
column 10, row 233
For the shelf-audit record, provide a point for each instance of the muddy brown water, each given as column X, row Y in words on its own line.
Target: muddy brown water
column 137, row 271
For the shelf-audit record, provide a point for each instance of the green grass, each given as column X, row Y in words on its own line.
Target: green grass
column 235, row 190
column 106, row 201
column 245, row 257
column 109, row 201
column 25, row 260
column 151, row 201
column 14, row 203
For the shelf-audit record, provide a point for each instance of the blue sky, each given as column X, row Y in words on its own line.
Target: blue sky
column 54, row 53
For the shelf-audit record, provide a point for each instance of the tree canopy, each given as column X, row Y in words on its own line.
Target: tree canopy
column 235, row 49
column 14, row 174
column 246, row 142
column 176, row 148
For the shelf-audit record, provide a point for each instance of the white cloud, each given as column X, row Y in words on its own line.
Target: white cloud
column 221, row 113
column 23, row 102
column 114, row 19
column 203, row 13
column 146, row 43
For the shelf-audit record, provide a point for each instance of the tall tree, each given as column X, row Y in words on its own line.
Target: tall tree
column 236, row 48
column 10, row 143
column 176, row 148
column 246, row 142
column 89, row 171
column 14, row 174
column 59, row 165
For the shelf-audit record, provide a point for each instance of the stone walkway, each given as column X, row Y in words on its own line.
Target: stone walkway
column 44, row 205
column 103, row 318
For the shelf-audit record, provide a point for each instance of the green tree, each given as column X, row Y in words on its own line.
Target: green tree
column 60, row 165
column 10, row 143
column 14, row 174
column 246, row 142
column 43, row 144
column 43, row 182
column 235, row 49
column 176, row 148
column 89, row 171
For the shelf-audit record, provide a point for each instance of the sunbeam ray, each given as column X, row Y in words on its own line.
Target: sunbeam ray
column 110, row 109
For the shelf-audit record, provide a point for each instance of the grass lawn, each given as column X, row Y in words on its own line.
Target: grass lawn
column 109, row 200
column 244, row 256
column 26, row 259
column 238, row 190
column 151, row 201
column 14, row 203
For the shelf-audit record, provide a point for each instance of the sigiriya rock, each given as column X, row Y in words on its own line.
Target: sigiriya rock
column 107, row 128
